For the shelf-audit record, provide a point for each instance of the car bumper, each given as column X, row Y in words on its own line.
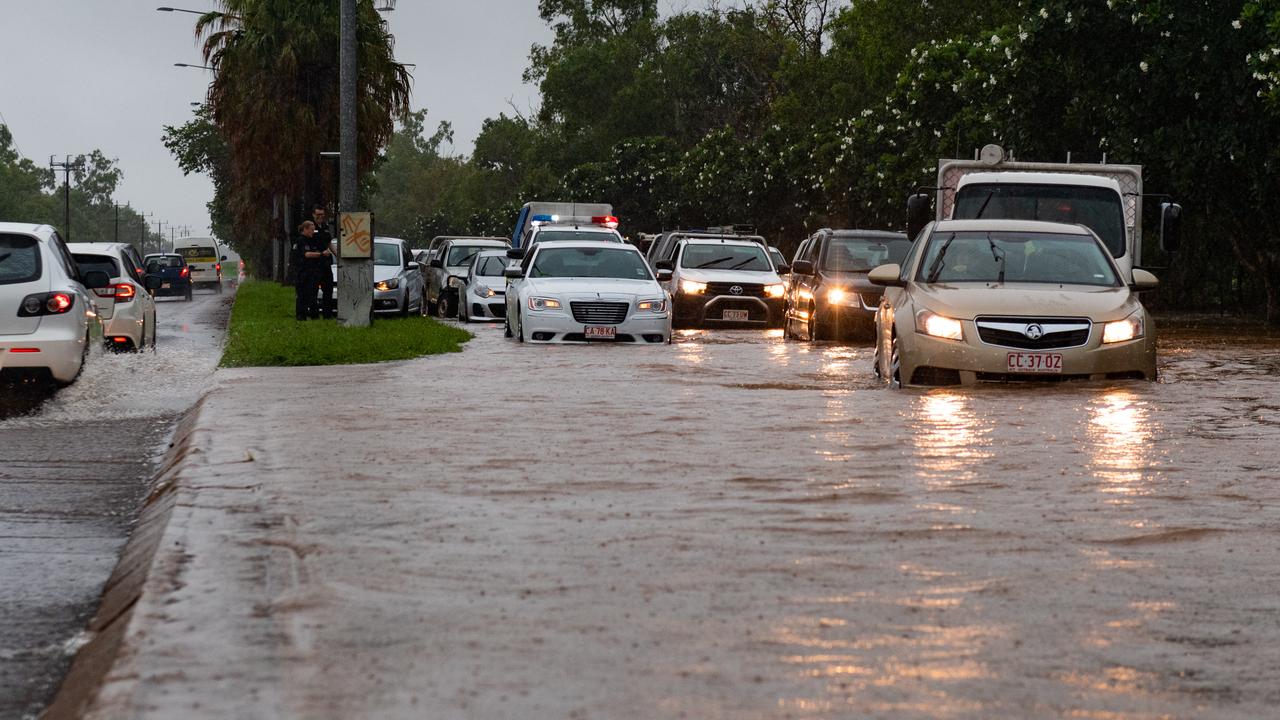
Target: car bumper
column 549, row 327
column 847, row 318
column 930, row 361
column 122, row 324
column 57, row 348
column 489, row 308
column 389, row 301
column 700, row 310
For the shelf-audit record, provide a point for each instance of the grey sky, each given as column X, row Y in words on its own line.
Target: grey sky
column 76, row 75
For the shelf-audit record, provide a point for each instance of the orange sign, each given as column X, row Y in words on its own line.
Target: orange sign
column 356, row 230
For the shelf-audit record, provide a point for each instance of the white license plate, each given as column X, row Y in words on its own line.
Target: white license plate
column 600, row 332
column 736, row 315
column 1041, row 363
column 165, row 286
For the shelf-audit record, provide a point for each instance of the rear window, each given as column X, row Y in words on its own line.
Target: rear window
column 88, row 263
column 19, row 259
column 158, row 263
column 195, row 253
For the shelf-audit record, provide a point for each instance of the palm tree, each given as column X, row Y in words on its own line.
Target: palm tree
column 275, row 95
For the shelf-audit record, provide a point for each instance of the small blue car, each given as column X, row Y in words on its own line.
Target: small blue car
column 173, row 272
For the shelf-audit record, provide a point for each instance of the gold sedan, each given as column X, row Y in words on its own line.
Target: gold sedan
column 1006, row 300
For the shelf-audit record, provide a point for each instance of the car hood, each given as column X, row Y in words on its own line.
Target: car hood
column 592, row 286
column 853, row 280
column 969, row 300
column 385, row 272
column 730, row 276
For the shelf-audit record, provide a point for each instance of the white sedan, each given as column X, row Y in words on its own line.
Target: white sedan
column 587, row 291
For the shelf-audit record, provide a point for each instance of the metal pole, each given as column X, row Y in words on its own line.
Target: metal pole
column 117, row 222
column 355, row 275
column 66, row 196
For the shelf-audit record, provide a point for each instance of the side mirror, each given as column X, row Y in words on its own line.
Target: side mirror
column 152, row 282
column 224, row 257
column 1170, row 226
column 784, row 269
column 664, row 275
column 413, row 265
column 919, row 207
column 513, row 273
column 437, row 263
column 802, row 267
column 515, row 253
column 887, row 276
column 95, row 279
column 1143, row 281
column 664, row 265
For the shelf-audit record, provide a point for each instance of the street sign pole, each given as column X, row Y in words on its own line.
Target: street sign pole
column 355, row 264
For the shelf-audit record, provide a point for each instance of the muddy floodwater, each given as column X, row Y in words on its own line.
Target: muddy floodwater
column 735, row 526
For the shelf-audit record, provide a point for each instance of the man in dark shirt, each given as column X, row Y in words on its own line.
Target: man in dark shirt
column 313, row 264
column 326, row 279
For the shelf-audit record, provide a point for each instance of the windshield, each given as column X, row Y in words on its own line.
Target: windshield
column 89, row 263
column 854, row 254
column 196, row 253
column 462, row 254
column 19, row 259
column 1096, row 208
column 491, row 266
column 1021, row 257
column 592, row 235
column 777, row 257
column 577, row 262
column 725, row 257
column 386, row 254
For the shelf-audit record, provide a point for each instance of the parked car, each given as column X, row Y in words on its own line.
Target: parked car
column 484, row 292
column 49, row 323
column 397, row 279
column 829, row 295
column 718, row 281
column 174, row 274
column 447, row 270
column 564, row 292
column 1004, row 300
column 126, row 307
column 205, row 256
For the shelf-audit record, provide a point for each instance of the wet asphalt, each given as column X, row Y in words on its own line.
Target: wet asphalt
column 74, row 465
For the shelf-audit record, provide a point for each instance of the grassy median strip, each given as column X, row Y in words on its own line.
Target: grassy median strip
column 263, row 333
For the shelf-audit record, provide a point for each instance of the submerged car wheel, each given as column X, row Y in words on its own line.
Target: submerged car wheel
column 895, row 364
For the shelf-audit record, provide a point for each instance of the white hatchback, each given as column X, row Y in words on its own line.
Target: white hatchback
column 48, row 320
column 127, row 309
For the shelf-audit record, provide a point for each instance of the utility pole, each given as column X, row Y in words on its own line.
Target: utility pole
column 66, row 166
column 160, row 231
column 355, row 275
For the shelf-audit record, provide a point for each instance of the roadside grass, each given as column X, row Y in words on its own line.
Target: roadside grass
column 263, row 333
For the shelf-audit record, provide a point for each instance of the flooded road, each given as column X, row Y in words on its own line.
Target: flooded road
column 74, row 467
column 735, row 526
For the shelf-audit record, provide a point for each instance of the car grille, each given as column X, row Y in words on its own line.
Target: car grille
column 497, row 309
column 726, row 288
column 1054, row 333
column 599, row 313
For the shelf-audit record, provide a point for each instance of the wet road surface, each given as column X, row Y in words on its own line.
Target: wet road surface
column 73, row 469
column 735, row 526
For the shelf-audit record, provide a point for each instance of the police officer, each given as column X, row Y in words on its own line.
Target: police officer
column 313, row 264
column 324, row 235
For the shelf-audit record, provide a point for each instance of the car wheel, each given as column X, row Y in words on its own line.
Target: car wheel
column 442, row 307
column 404, row 306
column 895, row 364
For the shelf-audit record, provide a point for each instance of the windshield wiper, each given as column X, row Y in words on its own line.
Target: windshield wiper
column 998, row 253
column 709, row 263
column 744, row 262
column 984, row 205
column 936, row 267
column 5, row 257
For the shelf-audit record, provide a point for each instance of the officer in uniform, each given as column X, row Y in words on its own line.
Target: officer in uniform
column 324, row 235
column 313, row 264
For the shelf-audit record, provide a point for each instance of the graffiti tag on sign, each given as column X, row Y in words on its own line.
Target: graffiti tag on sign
column 357, row 234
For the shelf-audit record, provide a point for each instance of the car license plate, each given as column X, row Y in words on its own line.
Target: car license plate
column 1046, row 363
column 736, row 315
column 165, row 286
column 600, row 332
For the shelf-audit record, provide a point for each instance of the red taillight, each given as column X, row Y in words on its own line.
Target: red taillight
column 24, row 350
column 58, row 303
column 124, row 292
column 218, row 267
column 608, row 221
column 120, row 340
column 185, row 272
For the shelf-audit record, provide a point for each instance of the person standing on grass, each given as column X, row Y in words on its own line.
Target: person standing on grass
column 314, row 257
column 325, row 235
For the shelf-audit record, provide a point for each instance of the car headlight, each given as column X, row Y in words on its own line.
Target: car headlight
column 774, row 291
column 837, row 296
column 484, row 291
column 543, row 303
column 385, row 285
column 692, row 287
column 456, row 282
column 1130, row 328
column 653, row 306
column 932, row 324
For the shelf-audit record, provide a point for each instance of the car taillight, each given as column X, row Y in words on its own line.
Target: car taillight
column 54, row 303
column 185, row 272
column 124, row 292
column 218, row 267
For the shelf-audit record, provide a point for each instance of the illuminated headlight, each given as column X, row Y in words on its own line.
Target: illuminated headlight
column 838, row 296
column 774, row 291
column 543, row 303
column 652, row 306
column 1130, row 328
column 385, row 285
column 485, row 291
column 935, row 325
column 692, row 287
column 456, row 282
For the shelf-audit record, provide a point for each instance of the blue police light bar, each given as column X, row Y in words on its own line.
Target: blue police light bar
column 543, row 218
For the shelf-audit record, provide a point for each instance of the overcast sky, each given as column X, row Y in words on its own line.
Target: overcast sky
column 78, row 75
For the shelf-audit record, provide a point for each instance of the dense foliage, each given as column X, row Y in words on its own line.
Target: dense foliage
column 797, row 114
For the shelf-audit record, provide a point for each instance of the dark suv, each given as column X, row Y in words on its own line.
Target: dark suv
column 828, row 295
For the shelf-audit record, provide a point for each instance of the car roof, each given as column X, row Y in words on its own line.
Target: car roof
column 561, row 244
column 875, row 234
column 586, row 226
column 492, row 253
column 725, row 240
column 1037, row 178
column 26, row 229
column 151, row 255
column 479, row 241
column 1009, row 226
column 91, row 247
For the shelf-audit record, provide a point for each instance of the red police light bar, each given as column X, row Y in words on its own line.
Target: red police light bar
column 608, row 221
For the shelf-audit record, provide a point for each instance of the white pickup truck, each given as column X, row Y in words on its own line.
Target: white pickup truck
column 1105, row 198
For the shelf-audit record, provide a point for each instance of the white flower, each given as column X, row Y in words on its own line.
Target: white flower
column 1235, row 24
column 995, row 39
column 1044, row 13
column 1143, row 66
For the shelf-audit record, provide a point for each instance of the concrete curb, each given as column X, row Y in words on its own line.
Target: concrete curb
column 120, row 595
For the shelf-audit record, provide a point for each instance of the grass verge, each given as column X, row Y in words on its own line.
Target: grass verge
column 263, row 333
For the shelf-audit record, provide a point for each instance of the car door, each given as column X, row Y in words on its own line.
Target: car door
column 142, row 296
column 412, row 277
column 793, row 281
